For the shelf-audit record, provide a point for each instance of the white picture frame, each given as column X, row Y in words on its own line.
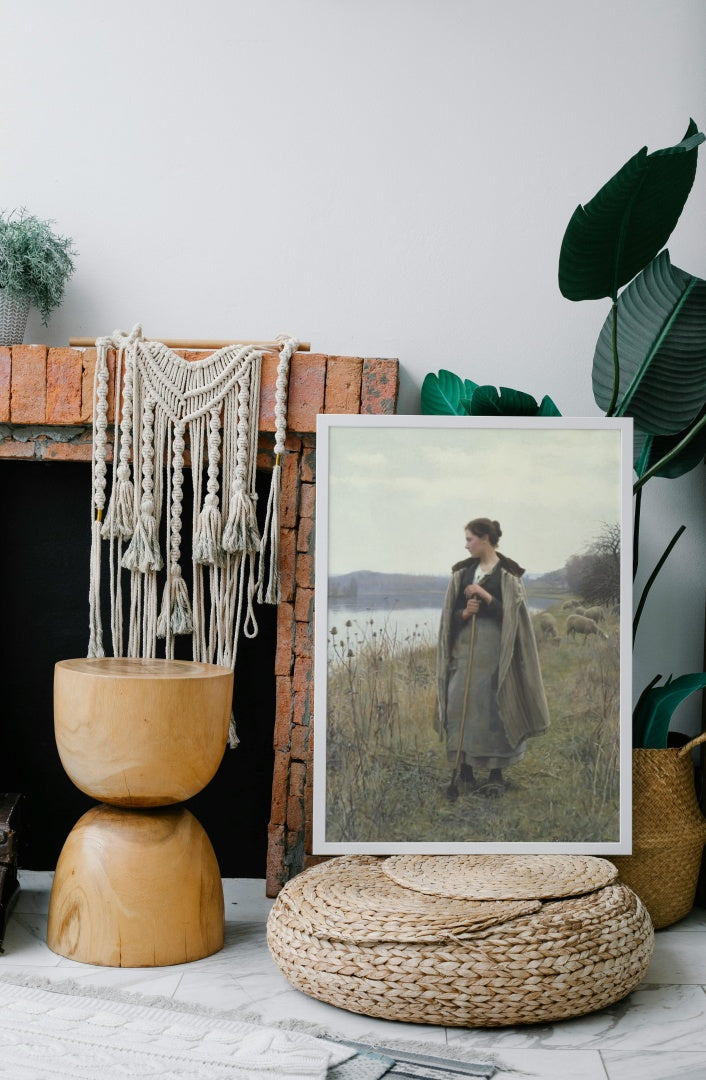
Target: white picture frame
column 394, row 494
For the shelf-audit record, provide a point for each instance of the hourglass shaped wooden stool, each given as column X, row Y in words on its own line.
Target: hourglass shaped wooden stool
column 137, row 883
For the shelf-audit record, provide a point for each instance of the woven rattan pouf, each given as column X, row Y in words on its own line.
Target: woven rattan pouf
column 466, row 941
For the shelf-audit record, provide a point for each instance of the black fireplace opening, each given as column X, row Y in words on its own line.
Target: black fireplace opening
column 44, row 560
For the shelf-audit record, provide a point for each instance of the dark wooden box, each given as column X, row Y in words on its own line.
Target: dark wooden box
column 10, row 833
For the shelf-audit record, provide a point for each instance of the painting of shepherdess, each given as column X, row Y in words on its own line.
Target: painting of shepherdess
column 472, row 673
column 490, row 692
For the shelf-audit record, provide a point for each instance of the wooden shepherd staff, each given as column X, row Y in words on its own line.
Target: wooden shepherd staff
column 452, row 791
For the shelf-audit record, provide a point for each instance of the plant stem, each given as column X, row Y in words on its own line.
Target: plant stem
column 670, row 456
column 651, row 579
column 616, row 367
column 636, row 533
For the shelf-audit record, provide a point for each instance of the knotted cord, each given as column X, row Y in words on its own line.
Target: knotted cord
column 161, row 401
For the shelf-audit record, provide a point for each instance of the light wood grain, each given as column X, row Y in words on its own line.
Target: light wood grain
column 196, row 343
column 136, row 888
column 141, row 732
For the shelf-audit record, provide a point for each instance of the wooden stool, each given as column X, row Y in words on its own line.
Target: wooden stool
column 137, row 886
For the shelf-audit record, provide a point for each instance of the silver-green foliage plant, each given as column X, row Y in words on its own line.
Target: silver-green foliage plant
column 35, row 262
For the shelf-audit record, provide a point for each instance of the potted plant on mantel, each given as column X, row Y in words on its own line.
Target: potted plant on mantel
column 653, row 342
column 35, row 264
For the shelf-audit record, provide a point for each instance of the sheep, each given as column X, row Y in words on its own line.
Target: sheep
column 569, row 604
column 579, row 624
column 595, row 613
column 548, row 626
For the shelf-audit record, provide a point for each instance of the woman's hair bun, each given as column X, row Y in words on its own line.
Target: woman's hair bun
column 483, row 526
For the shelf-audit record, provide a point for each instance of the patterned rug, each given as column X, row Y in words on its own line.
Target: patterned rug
column 62, row 1031
column 65, row 1031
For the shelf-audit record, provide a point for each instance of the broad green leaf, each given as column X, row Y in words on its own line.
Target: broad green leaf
column 661, row 350
column 638, row 716
column 614, row 236
column 444, row 394
column 547, row 407
column 489, row 401
column 653, row 713
column 649, row 450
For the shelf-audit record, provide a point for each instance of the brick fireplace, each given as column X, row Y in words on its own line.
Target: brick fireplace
column 46, row 415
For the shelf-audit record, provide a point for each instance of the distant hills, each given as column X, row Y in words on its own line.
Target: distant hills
column 554, row 581
column 418, row 590
column 408, row 590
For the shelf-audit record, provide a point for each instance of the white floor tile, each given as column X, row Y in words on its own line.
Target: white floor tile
column 677, row 1065
column 33, row 897
column 660, row 1027
column 548, row 1065
column 25, row 942
column 679, row 957
column 655, row 1017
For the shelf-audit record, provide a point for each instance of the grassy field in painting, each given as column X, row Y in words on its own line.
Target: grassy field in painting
column 387, row 773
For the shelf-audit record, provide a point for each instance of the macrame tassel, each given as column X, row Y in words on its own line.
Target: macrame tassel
column 241, row 532
column 95, row 639
column 120, row 517
column 208, row 548
column 99, row 469
column 273, row 592
column 233, row 739
column 175, row 614
column 143, row 552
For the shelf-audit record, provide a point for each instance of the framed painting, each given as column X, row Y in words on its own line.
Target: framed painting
column 472, row 635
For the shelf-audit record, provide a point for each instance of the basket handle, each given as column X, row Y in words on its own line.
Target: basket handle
column 690, row 745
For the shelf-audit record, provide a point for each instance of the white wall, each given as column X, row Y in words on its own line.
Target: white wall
column 382, row 177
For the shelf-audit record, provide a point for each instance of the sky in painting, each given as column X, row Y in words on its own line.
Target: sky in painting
column 398, row 497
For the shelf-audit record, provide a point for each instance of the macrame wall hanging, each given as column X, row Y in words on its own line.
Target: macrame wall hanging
column 161, row 401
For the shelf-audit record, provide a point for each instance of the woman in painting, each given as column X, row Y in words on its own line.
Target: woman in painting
column 490, row 691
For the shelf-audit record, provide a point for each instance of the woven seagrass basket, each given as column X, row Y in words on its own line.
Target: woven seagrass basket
column 669, row 832
column 349, row 934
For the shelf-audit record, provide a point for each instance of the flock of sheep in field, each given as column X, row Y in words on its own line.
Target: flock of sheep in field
column 581, row 623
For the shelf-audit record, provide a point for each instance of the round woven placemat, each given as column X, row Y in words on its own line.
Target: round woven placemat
column 500, row 877
column 360, row 903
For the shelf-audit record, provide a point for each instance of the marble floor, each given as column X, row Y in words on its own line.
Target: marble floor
column 658, row 1033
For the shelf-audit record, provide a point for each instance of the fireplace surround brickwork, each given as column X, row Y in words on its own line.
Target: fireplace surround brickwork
column 46, row 399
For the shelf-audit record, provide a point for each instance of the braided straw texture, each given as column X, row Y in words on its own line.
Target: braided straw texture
column 668, row 832
column 360, row 903
column 568, row 958
column 501, row 877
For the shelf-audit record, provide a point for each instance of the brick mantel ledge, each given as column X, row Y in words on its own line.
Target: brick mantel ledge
column 46, row 392
column 46, row 397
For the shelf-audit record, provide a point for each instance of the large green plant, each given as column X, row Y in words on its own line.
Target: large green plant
column 650, row 359
column 35, row 263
